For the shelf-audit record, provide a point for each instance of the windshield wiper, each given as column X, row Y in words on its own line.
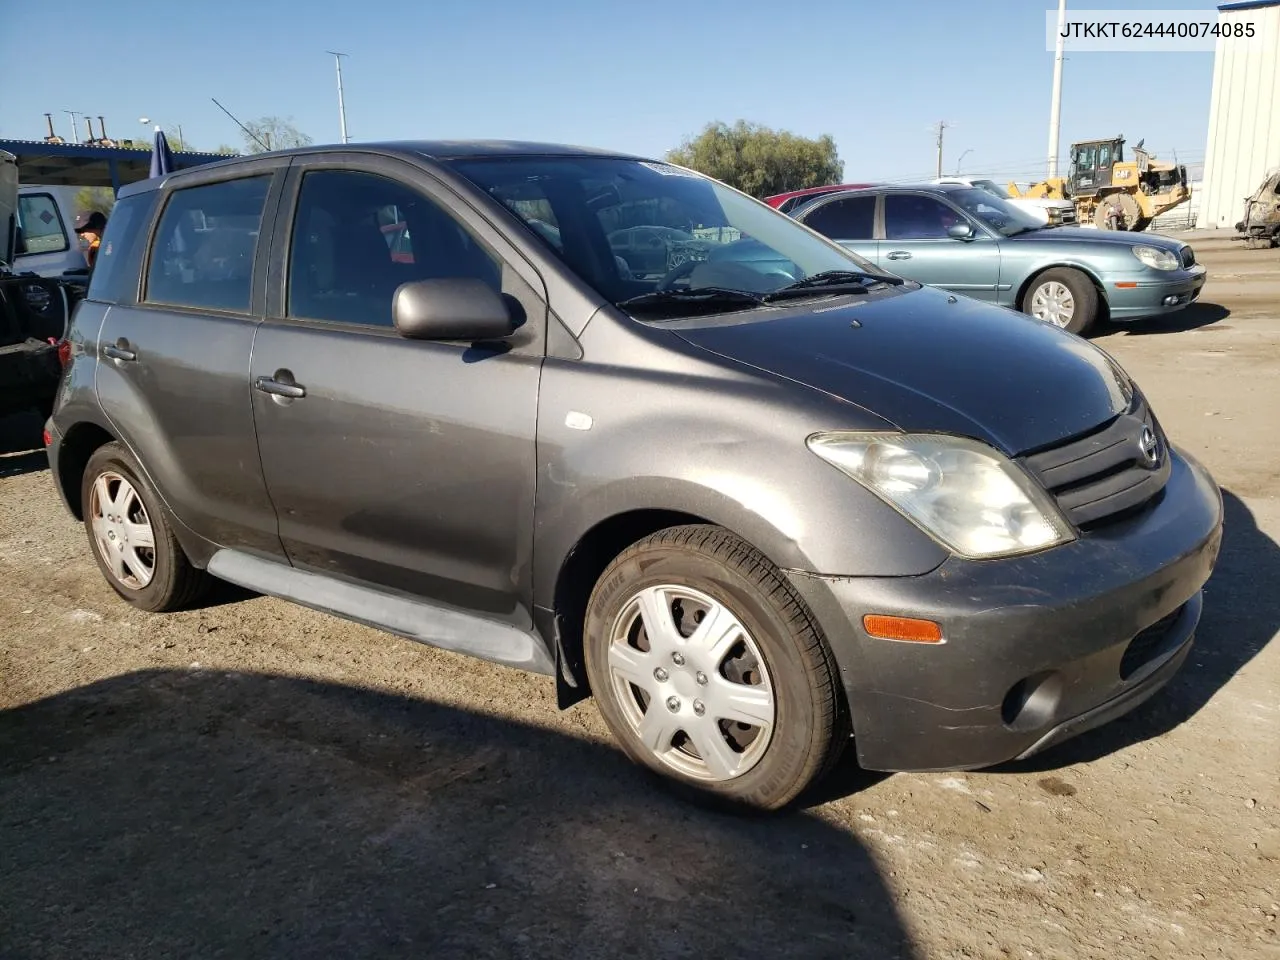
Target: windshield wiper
column 854, row 280
column 713, row 297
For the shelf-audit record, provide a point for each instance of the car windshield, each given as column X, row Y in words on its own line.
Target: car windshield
column 1000, row 215
column 993, row 188
column 630, row 228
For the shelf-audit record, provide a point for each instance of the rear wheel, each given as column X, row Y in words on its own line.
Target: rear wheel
column 1064, row 297
column 130, row 536
column 710, row 671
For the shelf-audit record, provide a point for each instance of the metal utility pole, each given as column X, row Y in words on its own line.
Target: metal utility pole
column 942, row 125
column 75, row 134
column 342, row 109
column 1055, row 109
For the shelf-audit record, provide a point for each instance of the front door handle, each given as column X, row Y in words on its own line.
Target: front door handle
column 116, row 352
column 293, row 391
column 899, row 255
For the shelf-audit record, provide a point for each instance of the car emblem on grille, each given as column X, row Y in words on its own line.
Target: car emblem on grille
column 1150, row 446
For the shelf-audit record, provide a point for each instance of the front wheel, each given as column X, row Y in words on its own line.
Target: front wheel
column 1064, row 297
column 709, row 669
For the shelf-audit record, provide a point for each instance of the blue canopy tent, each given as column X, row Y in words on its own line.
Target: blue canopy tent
column 161, row 156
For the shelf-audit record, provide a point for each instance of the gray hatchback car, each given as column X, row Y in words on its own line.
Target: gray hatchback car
column 762, row 504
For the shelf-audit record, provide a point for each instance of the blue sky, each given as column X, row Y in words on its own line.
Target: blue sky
column 628, row 76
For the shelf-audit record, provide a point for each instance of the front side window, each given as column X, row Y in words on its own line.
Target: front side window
column 358, row 236
column 40, row 227
column 630, row 227
column 204, row 247
column 850, row 219
column 1001, row 216
column 913, row 216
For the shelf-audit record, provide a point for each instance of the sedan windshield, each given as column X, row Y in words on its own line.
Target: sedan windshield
column 993, row 188
column 1000, row 215
column 630, row 228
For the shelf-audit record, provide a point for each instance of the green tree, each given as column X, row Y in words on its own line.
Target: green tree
column 90, row 199
column 273, row 133
column 760, row 161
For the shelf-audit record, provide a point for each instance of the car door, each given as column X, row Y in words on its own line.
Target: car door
column 850, row 221
column 401, row 464
column 173, row 370
column 917, row 246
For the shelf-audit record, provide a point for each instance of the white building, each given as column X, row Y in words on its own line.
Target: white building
column 1244, row 119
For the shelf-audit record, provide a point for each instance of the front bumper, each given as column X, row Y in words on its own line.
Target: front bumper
column 1153, row 297
column 1037, row 648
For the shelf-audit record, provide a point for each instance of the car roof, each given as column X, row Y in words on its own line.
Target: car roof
column 437, row 150
column 826, row 189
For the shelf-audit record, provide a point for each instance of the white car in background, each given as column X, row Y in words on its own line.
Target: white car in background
column 1055, row 212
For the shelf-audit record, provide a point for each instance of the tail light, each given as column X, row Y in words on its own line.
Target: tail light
column 64, row 352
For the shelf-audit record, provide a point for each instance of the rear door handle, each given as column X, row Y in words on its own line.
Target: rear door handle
column 118, row 353
column 899, row 255
column 294, row 391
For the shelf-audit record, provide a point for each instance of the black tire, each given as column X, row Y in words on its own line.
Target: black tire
column 810, row 726
column 174, row 583
column 1083, row 293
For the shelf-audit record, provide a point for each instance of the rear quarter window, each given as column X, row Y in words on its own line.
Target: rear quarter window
column 115, row 272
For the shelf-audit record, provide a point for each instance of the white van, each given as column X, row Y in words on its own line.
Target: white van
column 47, row 243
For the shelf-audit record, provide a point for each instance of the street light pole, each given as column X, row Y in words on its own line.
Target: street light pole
column 961, row 160
column 342, row 109
column 1055, row 109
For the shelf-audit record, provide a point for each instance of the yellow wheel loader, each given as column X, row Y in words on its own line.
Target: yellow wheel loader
column 1112, row 192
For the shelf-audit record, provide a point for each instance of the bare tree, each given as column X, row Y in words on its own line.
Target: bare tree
column 273, row 133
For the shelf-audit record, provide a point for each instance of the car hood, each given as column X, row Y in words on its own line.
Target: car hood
column 8, row 207
column 926, row 361
column 1098, row 239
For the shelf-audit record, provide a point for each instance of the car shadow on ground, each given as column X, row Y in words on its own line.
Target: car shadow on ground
column 1241, row 615
column 172, row 813
column 1193, row 317
column 21, row 445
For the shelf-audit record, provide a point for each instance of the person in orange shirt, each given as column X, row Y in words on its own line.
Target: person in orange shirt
column 89, row 227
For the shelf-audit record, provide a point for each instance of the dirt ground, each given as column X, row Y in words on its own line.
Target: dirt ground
column 254, row 779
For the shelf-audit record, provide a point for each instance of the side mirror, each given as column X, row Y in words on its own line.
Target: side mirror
column 453, row 309
column 960, row 231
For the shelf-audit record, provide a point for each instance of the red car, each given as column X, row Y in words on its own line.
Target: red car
column 786, row 202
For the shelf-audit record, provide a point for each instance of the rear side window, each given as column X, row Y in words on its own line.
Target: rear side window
column 40, row 227
column 115, row 272
column 851, row 219
column 204, row 247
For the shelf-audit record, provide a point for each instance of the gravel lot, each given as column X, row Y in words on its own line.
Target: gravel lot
column 255, row 779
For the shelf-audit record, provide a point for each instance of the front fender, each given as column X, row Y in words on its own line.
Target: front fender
column 730, row 451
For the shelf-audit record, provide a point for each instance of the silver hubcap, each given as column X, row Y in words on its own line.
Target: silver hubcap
column 122, row 531
column 1054, row 303
column 691, row 682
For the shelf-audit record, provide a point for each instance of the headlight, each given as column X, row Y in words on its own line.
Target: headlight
column 1155, row 258
column 966, row 495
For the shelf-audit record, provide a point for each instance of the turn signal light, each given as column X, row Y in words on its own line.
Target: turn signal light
column 48, row 439
column 901, row 628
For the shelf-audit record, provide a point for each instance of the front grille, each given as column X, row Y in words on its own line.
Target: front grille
column 1147, row 645
column 1105, row 475
column 1188, row 257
